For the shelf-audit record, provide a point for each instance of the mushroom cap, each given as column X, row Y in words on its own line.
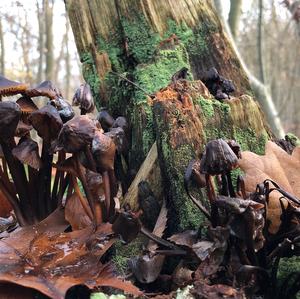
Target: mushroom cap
column 46, row 88
column 119, row 138
column 218, row 158
column 27, row 152
column 83, row 98
column 121, row 122
column 236, row 148
column 26, row 104
column 47, row 122
column 104, row 150
column 10, row 88
column 22, row 129
column 64, row 109
column 10, row 114
column 105, row 119
column 76, row 134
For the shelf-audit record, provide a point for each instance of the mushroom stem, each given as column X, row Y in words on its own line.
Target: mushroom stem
column 225, row 188
column 210, row 188
column 58, row 177
column 64, row 182
column 44, row 199
column 81, row 198
column 241, row 186
column 15, row 204
column 230, row 185
column 107, row 193
column 19, row 177
column 94, row 204
column 157, row 239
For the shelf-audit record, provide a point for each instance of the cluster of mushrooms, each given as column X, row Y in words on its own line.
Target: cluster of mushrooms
column 73, row 147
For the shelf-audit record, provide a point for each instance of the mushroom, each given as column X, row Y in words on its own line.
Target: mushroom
column 10, row 88
column 218, row 158
column 104, row 149
column 27, row 152
column 26, row 104
column 76, row 137
column 105, row 119
column 84, row 99
column 77, row 134
column 22, row 129
column 64, row 109
column 192, row 174
column 47, row 122
column 10, row 114
column 46, row 89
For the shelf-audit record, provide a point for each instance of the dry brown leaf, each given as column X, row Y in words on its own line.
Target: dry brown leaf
column 45, row 258
column 75, row 214
column 278, row 166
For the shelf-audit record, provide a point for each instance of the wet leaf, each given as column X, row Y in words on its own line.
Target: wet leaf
column 52, row 261
column 278, row 166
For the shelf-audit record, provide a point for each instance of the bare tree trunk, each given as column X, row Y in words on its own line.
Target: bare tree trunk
column 67, row 61
column 234, row 16
column 48, row 5
column 41, row 17
column 260, row 42
column 2, row 50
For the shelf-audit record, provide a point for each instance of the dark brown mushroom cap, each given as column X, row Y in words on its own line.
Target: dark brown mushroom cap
column 105, row 119
column 104, row 150
column 218, row 158
column 22, row 129
column 121, row 122
column 64, row 109
column 119, row 138
column 10, row 114
column 10, row 88
column 27, row 152
column 83, row 98
column 26, row 104
column 46, row 89
column 236, row 148
column 47, row 122
column 76, row 134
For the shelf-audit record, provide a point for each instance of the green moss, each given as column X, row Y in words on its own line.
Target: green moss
column 196, row 40
column 249, row 140
column 156, row 75
column 176, row 161
column 140, row 37
column 90, row 75
column 124, row 252
column 293, row 139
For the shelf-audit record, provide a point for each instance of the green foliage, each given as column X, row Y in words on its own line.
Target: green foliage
column 103, row 296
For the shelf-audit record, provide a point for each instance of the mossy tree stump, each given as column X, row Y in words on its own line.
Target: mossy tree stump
column 148, row 41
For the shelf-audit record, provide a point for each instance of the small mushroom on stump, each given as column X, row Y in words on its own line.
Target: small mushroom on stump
column 105, row 119
column 64, row 109
column 84, row 99
column 193, row 174
column 218, row 158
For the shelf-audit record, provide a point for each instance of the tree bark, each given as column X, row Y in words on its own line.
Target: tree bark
column 147, row 42
column 40, row 16
column 48, row 6
column 234, row 16
column 2, row 51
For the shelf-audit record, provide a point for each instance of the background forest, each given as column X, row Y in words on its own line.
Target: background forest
column 37, row 44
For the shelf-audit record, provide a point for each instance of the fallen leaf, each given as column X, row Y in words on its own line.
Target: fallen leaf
column 278, row 166
column 45, row 258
